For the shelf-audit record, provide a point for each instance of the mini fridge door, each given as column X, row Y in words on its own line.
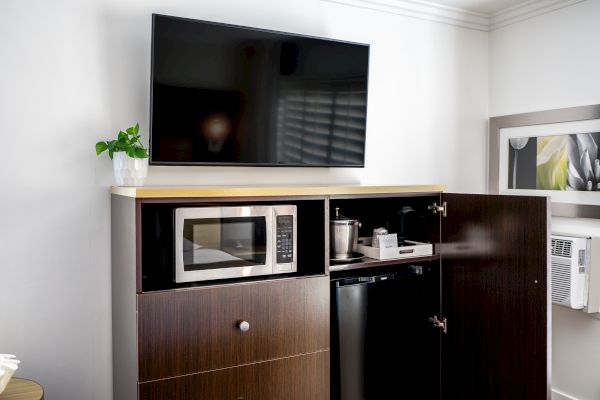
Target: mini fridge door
column 383, row 345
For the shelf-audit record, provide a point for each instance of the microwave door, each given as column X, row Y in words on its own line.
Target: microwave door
column 222, row 243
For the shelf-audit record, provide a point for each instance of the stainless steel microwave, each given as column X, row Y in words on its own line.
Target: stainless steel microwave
column 234, row 242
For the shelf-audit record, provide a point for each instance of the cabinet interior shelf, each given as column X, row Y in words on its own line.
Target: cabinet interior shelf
column 372, row 262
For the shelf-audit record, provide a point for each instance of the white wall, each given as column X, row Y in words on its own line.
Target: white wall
column 547, row 62
column 75, row 71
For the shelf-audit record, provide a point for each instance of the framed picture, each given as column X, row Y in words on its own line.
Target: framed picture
column 552, row 153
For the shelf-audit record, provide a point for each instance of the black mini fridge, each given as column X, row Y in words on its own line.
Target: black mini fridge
column 383, row 345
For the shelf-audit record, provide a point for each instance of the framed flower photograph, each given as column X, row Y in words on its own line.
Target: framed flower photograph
column 553, row 153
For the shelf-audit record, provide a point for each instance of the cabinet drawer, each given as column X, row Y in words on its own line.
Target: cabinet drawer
column 303, row 377
column 190, row 331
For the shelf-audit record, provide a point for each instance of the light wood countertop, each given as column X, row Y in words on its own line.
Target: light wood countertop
column 264, row 191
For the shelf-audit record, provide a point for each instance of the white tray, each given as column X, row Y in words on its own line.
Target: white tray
column 414, row 249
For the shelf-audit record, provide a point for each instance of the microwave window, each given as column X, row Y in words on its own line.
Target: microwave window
column 216, row 243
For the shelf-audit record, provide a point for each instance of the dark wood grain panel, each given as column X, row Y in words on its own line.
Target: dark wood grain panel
column 304, row 377
column 495, row 297
column 290, row 319
column 194, row 330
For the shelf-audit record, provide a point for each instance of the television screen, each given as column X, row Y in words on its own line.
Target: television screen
column 230, row 95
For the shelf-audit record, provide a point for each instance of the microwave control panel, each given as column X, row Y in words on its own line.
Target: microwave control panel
column 285, row 239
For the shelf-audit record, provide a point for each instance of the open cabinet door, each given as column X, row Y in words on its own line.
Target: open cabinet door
column 495, row 297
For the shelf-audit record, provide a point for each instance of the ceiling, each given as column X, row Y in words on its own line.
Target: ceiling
column 481, row 6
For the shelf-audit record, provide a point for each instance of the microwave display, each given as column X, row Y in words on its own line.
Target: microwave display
column 215, row 243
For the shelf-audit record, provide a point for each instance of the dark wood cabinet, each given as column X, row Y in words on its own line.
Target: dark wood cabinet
column 495, row 297
column 487, row 278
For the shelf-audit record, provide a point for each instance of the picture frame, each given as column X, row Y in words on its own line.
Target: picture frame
column 562, row 121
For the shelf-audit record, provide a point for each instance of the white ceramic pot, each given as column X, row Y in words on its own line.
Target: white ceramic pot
column 129, row 171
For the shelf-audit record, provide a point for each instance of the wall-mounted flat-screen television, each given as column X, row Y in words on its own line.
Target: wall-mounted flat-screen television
column 231, row 95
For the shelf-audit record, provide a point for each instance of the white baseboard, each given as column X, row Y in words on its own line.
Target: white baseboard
column 556, row 395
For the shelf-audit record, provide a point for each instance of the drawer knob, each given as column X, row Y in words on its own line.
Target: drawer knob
column 243, row 326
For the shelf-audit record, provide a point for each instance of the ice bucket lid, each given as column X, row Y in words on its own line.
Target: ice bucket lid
column 340, row 219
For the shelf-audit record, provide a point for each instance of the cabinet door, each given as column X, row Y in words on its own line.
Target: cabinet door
column 383, row 346
column 195, row 330
column 495, row 297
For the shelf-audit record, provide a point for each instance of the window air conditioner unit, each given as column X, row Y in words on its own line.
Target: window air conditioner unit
column 570, row 270
column 576, row 272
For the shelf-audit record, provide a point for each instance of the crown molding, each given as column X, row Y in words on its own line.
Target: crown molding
column 423, row 10
column 430, row 11
column 530, row 9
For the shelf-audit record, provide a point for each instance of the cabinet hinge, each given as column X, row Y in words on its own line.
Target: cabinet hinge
column 443, row 324
column 442, row 209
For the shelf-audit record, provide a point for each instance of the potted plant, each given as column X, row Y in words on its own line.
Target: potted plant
column 130, row 158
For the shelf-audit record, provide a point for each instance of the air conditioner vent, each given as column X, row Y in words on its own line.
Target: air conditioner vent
column 561, row 279
column 561, row 248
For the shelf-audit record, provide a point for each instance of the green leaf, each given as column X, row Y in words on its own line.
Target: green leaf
column 123, row 143
column 116, row 146
column 140, row 152
column 127, row 141
column 121, row 146
column 100, row 147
